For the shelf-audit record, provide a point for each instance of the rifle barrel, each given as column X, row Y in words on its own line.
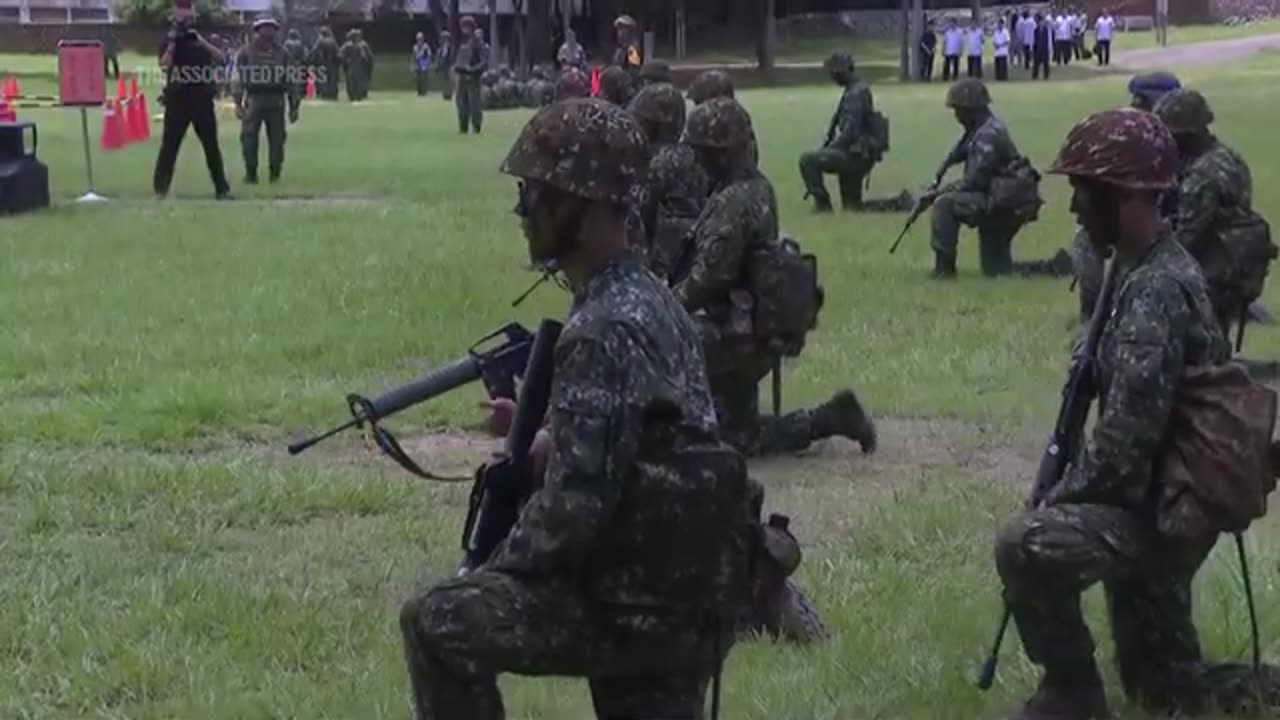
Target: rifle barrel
column 295, row 448
column 437, row 382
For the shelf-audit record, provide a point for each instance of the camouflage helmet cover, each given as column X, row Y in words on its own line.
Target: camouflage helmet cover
column 1153, row 85
column 583, row 146
column 719, row 123
column 572, row 83
column 655, row 71
column 1126, row 147
column 660, row 104
column 615, row 85
column 710, row 84
column 968, row 93
column 1185, row 112
column 839, row 61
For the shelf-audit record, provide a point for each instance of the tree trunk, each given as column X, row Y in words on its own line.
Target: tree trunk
column 917, row 32
column 494, row 46
column 904, row 57
column 766, row 43
column 680, row 15
column 977, row 10
column 454, row 30
column 438, row 20
column 522, row 51
column 537, row 36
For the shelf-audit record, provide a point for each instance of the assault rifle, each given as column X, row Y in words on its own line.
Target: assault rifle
column 1064, row 442
column 922, row 203
column 501, row 487
column 497, row 367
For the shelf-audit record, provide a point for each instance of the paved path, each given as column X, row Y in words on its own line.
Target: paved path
column 1204, row 53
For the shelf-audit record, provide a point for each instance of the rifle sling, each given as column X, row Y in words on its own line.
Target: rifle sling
column 391, row 448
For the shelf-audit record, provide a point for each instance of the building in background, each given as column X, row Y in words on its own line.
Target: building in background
column 55, row 12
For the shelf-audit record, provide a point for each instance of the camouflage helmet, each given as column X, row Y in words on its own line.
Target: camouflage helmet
column 584, row 146
column 1126, row 147
column 1151, row 86
column 655, row 71
column 1185, row 112
column 615, row 86
column 660, row 104
column 294, row 34
column 572, row 83
column 968, row 93
column 710, row 84
column 719, row 123
column 840, row 61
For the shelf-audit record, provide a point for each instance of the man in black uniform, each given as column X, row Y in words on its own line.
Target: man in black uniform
column 190, row 64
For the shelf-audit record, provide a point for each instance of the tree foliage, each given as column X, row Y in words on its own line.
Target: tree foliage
column 157, row 12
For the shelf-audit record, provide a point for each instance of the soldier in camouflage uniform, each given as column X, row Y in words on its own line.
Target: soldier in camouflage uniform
column 741, row 216
column 851, row 148
column 671, row 197
column 264, row 72
column 623, row 564
column 297, row 54
column 1145, row 90
column 444, row 63
column 710, row 85
column 616, row 86
column 1215, row 198
column 1098, row 524
column 470, row 63
column 655, row 71
column 988, row 153
column 327, row 57
column 572, row 83
column 355, row 66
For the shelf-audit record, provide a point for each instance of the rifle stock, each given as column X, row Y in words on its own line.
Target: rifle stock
column 501, row 488
column 1064, row 441
column 917, row 210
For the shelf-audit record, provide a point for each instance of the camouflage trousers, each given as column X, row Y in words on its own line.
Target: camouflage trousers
column 734, row 372
column 995, row 234
column 470, row 108
column 1047, row 558
column 269, row 111
column 461, row 633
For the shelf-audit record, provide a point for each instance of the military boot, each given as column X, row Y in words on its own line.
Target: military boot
column 821, row 203
column 251, row 177
column 1067, row 695
column 844, row 415
column 944, row 266
column 1058, row 266
column 274, row 175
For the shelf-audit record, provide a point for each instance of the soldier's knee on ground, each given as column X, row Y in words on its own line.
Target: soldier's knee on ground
column 1012, row 559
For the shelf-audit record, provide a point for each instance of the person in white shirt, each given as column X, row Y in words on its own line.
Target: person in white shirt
column 974, row 41
column 1000, row 43
column 1062, row 40
column 1102, row 31
column 1026, row 32
column 952, row 44
column 1079, row 26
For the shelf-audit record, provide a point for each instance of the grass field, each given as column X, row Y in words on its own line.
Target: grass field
column 163, row 557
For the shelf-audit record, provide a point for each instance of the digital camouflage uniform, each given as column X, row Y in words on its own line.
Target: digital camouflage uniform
column 850, row 150
column 1098, row 525
column 654, row 71
column 326, row 56
column 357, row 65
column 616, row 86
column 987, row 150
column 672, row 195
column 629, row 387
column 709, row 85
column 740, row 216
column 1215, row 195
column 297, row 54
column 572, row 83
column 444, row 63
column 263, row 69
column 1145, row 89
column 471, row 62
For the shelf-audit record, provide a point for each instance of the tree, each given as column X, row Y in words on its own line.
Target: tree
column 538, row 36
column 156, row 12
column 904, row 58
column 766, row 40
column 977, row 10
column 438, row 18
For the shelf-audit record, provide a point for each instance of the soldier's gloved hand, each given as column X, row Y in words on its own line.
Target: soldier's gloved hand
column 501, row 413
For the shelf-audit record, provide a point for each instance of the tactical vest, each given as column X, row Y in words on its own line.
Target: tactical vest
column 783, row 282
column 264, row 71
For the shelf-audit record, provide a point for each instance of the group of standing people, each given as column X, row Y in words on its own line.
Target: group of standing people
column 459, row 65
column 1036, row 41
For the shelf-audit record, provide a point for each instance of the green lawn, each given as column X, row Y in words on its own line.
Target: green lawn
column 164, row 558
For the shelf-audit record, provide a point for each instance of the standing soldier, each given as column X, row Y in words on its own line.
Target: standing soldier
column 297, row 54
column 368, row 58
column 857, row 138
column 265, row 80
column 421, row 63
column 1108, row 520
column 627, row 54
column 325, row 56
column 444, row 62
column 998, row 194
column 626, row 565
column 1215, row 220
column 471, row 62
column 738, row 222
column 351, row 71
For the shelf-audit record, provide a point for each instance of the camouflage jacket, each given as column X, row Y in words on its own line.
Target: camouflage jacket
column 675, row 191
column 629, row 374
column 297, row 54
column 325, row 52
column 739, row 217
column 1216, row 192
column 471, row 60
column 985, row 152
column 1161, row 321
column 263, row 73
column 851, row 116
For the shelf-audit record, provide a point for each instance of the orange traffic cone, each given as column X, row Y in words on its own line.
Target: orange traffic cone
column 144, row 119
column 120, row 96
column 138, row 124
column 9, row 88
column 7, row 114
column 595, row 81
column 311, row 86
column 133, row 86
column 113, row 131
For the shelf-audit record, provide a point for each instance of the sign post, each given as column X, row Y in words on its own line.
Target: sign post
column 81, row 83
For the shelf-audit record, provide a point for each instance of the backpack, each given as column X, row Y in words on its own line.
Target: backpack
column 1015, row 191
column 1216, row 470
column 783, row 281
column 878, row 133
column 1249, row 252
